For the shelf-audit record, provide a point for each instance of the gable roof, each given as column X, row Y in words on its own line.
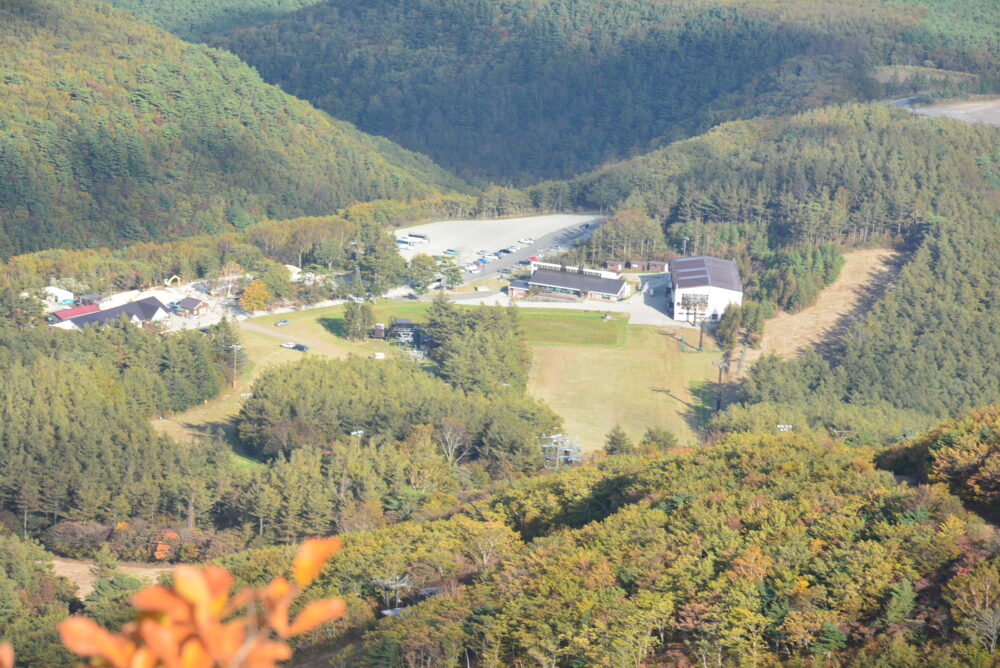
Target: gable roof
column 142, row 310
column 704, row 271
column 571, row 280
column 68, row 313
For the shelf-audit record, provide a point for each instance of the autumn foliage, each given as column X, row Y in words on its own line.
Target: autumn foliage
column 198, row 623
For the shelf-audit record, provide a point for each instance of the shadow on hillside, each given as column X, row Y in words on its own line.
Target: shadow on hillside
column 224, row 430
column 831, row 345
column 334, row 325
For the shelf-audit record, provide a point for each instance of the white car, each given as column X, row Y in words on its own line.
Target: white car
column 491, row 257
column 526, row 240
column 287, row 344
column 475, row 270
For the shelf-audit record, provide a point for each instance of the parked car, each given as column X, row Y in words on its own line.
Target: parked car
column 300, row 347
column 450, row 251
column 526, row 240
column 475, row 270
column 482, row 252
column 532, row 259
column 491, row 257
column 281, row 323
column 287, row 344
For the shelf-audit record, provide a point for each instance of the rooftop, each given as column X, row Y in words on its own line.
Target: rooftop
column 703, row 271
column 190, row 303
column 568, row 280
column 68, row 313
column 144, row 310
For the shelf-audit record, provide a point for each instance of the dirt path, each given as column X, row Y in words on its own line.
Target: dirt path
column 79, row 572
column 865, row 273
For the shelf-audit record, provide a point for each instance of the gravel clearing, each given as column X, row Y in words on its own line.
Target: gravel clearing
column 469, row 236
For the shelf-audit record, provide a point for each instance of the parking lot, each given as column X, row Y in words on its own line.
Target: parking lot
column 467, row 237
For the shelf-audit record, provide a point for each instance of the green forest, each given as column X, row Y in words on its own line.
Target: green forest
column 114, row 131
column 525, row 90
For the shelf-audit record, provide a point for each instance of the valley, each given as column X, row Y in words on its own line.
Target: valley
column 227, row 364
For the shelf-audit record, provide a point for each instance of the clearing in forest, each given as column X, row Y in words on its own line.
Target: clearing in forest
column 79, row 572
column 865, row 273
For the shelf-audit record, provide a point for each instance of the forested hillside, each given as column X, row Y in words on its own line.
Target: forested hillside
column 111, row 130
column 195, row 19
column 521, row 90
column 756, row 550
column 929, row 346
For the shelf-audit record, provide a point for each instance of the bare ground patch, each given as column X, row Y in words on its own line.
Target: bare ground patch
column 866, row 275
column 79, row 572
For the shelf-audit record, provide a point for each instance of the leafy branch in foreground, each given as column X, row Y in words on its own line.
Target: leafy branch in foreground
column 196, row 623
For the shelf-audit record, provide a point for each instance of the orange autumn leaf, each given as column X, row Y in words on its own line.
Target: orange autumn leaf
column 83, row 636
column 315, row 614
column 143, row 658
column 193, row 655
column 267, row 653
column 160, row 599
column 190, row 583
column 6, row 655
column 311, row 557
column 164, row 641
column 226, row 640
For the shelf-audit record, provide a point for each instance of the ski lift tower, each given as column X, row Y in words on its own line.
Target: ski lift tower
column 559, row 450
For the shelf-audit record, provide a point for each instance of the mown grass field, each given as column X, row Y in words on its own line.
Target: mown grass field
column 594, row 372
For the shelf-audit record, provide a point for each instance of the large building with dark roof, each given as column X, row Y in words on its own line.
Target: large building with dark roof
column 572, row 284
column 138, row 312
column 702, row 287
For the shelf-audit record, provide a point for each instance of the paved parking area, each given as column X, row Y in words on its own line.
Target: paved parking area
column 469, row 236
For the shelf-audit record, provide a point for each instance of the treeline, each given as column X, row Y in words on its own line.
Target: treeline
column 759, row 549
column 520, row 91
column 114, row 131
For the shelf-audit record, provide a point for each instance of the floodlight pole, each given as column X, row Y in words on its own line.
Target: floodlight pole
column 718, row 391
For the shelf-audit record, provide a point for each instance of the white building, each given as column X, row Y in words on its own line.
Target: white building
column 702, row 287
column 600, row 273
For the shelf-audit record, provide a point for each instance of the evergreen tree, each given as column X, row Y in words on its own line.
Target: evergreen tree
column 617, row 442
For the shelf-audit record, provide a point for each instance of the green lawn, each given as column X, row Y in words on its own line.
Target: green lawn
column 643, row 382
column 594, row 372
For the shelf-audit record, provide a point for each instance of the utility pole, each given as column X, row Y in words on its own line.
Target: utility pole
column 701, row 337
column 236, row 348
column 684, row 251
column 718, row 390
